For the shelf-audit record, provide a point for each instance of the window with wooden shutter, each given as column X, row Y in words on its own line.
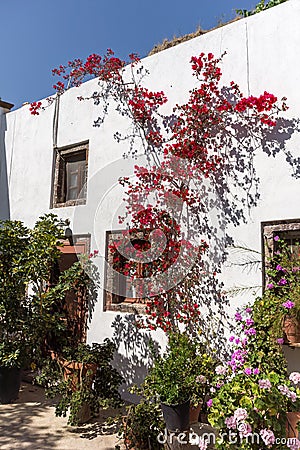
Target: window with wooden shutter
column 70, row 175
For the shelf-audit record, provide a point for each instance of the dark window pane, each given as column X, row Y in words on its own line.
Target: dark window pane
column 75, row 176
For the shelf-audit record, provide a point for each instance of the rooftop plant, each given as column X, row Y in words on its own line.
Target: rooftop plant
column 261, row 6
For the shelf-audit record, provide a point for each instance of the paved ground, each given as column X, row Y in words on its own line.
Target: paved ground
column 30, row 423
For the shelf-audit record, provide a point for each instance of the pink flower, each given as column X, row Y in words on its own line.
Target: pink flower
column 209, row 403
column 251, row 331
column 244, row 429
column 287, row 392
column 280, row 341
column 267, row 436
column 255, row 371
column 248, row 371
column 230, row 422
column 220, row 370
column 282, row 282
column 202, row 444
column 249, row 322
column 238, row 317
column 240, row 414
column 295, row 377
column 264, row 384
column 276, row 238
column 288, row 304
column 270, row 286
column 201, row 379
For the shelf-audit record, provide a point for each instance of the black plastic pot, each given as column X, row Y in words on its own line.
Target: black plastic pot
column 177, row 417
column 10, row 382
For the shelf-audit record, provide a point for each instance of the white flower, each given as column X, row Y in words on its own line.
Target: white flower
column 287, row 392
column 267, row 436
column 240, row 414
column 264, row 384
column 221, row 370
column 295, row 377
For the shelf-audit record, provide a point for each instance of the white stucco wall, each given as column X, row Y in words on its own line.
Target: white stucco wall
column 261, row 55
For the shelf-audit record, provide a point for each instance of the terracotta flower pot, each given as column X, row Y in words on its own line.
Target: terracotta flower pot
column 194, row 413
column 78, row 371
column 292, row 419
column 291, row 330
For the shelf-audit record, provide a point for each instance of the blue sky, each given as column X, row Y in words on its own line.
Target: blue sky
column 38, row 35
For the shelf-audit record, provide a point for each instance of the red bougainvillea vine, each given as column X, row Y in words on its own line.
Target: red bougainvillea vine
column 204, row 149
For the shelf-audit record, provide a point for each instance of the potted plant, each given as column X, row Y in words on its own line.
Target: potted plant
column 84, row 378
column 30, row 312
column 251, row 404
column 15, row 308
column 169, row 381
column 252, row 391
column 283, row 292
column 201, row 366
column 178, row 377
column 10, row 370
column 141, row 426
column 293, row 417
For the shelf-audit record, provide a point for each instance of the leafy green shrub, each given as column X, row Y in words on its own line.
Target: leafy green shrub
column 183, row 372
column 142, row 425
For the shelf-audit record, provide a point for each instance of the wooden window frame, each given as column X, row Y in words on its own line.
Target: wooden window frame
column 59, row 183
column 288, row 228
column 81, row 244
column 112, row 301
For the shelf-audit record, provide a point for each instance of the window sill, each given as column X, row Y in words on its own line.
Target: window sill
column 70, row 203
column 133, row 308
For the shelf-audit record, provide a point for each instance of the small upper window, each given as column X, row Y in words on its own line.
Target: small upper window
column 70, row 175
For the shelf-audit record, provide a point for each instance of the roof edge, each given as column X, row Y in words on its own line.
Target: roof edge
column 6, row 105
